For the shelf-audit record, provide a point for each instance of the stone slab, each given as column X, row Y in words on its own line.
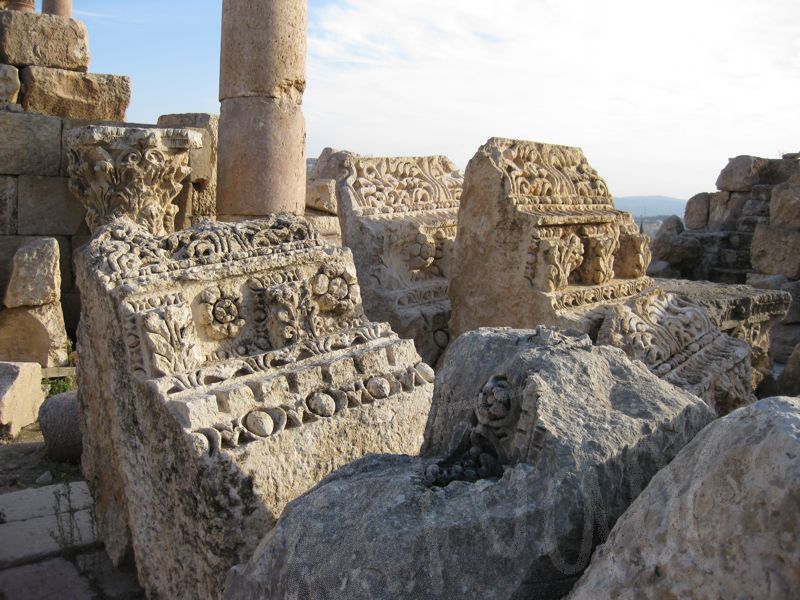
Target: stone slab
column 45, row 206
column 784, row 208
column 70, row 94
column 776, row 251
column 8, row 205
column 53, row 579
column 31, row 144
column 35, row 275
column 9, row 83
column 9, row 244
column 44, row 40
column 21, row 395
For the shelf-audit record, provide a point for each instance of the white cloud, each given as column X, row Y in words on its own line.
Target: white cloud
column 658, row 94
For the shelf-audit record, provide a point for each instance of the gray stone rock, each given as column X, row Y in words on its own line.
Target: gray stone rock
column 35, row 276
column 59, row 418
column 565, row 434
column 740, row 174
column 31, row 144
column 696, row 213
column 719, row 522
column 789, row 379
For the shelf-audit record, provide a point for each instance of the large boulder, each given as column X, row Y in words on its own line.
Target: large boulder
column 696, row 214
column 536, row 443
column 721, row 520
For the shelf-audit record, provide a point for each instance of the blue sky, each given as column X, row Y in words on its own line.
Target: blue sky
column 658, row 94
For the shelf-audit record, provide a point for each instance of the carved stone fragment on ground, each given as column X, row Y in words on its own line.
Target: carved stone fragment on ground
column 398, row 215
column 539, row 240
column 536, row 444
column 132, row 172
column 225, row 369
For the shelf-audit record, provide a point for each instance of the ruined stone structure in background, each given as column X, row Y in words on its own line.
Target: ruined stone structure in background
column 539, row 241
column 398, row 216
column 131, row 172
column 225, row 369
column 262, row 133
column 562, row 469
column 747, row 232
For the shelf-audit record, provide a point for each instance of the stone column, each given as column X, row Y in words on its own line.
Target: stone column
column 62, row 8
column 262, row 135
column 22, row 5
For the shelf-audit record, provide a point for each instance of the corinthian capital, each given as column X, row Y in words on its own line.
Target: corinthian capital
column 128, row 172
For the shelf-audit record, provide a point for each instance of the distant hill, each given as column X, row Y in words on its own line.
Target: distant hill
column 651, row 206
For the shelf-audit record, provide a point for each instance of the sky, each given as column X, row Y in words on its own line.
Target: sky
column 658, row 94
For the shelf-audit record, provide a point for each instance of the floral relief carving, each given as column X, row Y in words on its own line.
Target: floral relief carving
column 220, row 313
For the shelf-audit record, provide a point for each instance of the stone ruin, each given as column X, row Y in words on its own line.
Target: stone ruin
column 747, row 232
column 398, row 215
column 540, row 242
column 225, row 369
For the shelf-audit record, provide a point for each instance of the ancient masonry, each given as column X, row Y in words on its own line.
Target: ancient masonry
column 398, row 215
column 747, row 232
column 540, row 242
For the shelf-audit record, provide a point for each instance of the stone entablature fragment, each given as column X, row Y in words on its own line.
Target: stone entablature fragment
column 133, row 172
column 398, row 215
column 539, row 218
column 225, row 369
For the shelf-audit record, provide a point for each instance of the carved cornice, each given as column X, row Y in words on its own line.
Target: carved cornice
column 136, row 173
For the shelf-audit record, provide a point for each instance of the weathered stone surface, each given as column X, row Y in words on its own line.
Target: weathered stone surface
column 680, row 252
column 35, row 276
column 538, row 237
column 52, row 579
column 59, row 418
column 321, row 195
column 677, row 341
column 740, row 174
column 145, row 174
column 31, row 144
column 784, row 208
column 783, row 341
column 224, row 370
column 21, row 396
column 398, row 215
column 62, row 8
column 34, row 334
column 725, row 209
column 776, row 251
column 74, row 95
column 9, row 83
column 9, row 244
column 719, row 520
column 43, row 522
column 327, row 225
column 202, row 161
column 696, row 214
column 45, row 206
column 789, row 379
column 43, row 40
column 262, row 162
column 564, row 435
column 741, row 311
column 8, row 205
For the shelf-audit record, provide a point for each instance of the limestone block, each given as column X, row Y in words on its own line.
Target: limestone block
column 34, row 334
column 263, row 50
column 776, row 251
column 784, row 208
column 264, row 161
column 676, row 340
column 203, row 160
column 784, row 339
column 21, row 395
column 719, row 520
column 536, row 444
column 129, row 171
column 43, row 40
column 70, row 94
column 9, row 244
column 8, row 205
column 696, row 213
column 725, row 209
column 740, row 174
column 35, row 276
column 9, row 83
column 534, row 249
column 327, row 225
column 43, row 522
column 224, row 370
column 59, row 419
column 46, row 207
column 31, row 144
column 321, row 196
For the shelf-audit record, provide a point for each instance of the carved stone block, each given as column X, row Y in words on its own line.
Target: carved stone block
column 225, row 369
column 132, row 172
column 398, row 215
column 539, row 241
column 44, row 40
